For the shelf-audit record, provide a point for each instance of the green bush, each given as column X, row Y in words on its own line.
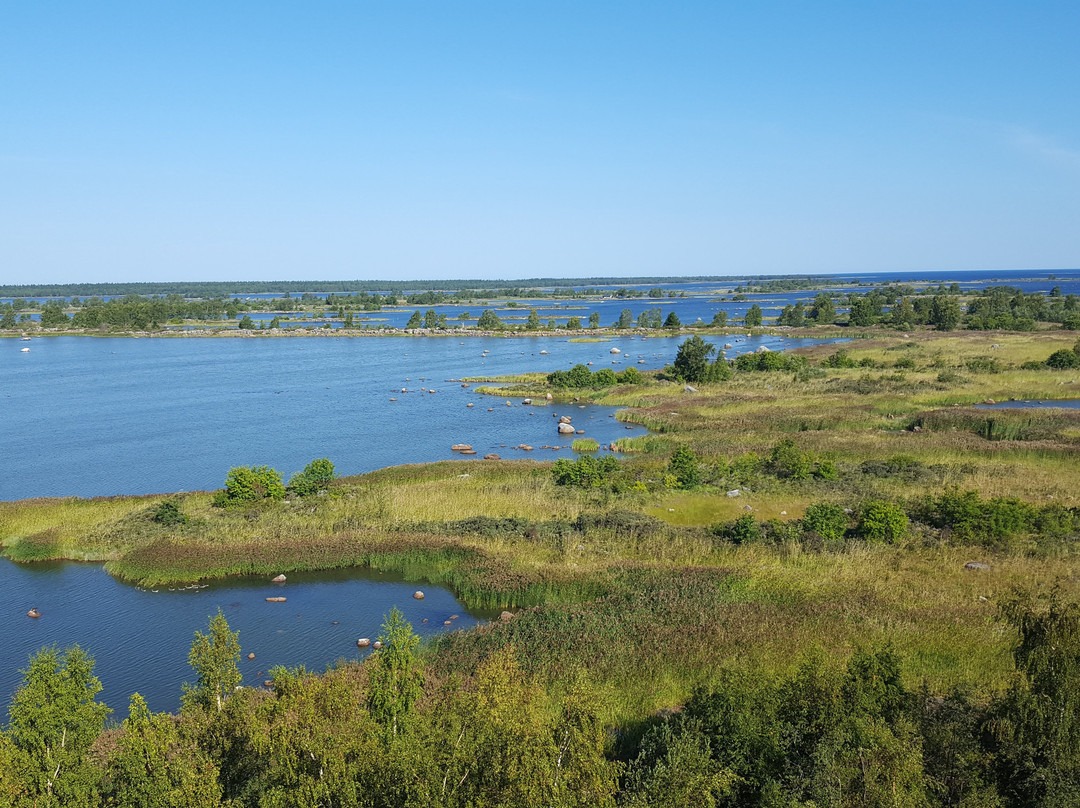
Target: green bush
column 316, row 476
column 789, row 461
column 248, row 484
column 685, row 467
column 742, row 530
column 1063, row 360
column 839, row 359
column 881, row 521
column 585, row 472
column 828, row 521
column 168, row 513
column 630, row 376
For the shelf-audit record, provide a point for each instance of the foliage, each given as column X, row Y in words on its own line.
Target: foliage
column 692, row 359
column 153, row 766
column 54, row 721
column 827, row 520
column 397, row 677
column 686, row 467
column 881, row 521
column 316, row 476
column 1063, row 360
column 489, row 321
column 168, row 513
column 214, row 657
column 753, row 316
column 247, row 484
column 585, row 472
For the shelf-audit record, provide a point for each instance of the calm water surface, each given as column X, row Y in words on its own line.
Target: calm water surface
column 140, row 639
column 88, row 416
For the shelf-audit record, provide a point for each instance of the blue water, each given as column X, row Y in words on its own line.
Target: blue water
column 140, row 639
column 89, row 416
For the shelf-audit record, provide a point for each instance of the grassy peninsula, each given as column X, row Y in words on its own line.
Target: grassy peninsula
column 841, row 520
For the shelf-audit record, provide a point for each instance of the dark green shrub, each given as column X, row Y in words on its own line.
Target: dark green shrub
column 630, row 376
column 168, row 513
column 983, row 364
column 1063, row 360
column 742, row 530
column 839, row 359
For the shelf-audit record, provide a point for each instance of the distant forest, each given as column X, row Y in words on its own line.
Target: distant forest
column 226, row 288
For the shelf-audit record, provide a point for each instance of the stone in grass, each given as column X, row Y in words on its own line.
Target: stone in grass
column 734, row 493
column 977, row 566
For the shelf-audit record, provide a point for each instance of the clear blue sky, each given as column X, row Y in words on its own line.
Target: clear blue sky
column 505, row 139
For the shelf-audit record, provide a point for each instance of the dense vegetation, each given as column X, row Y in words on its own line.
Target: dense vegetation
column 827, row 579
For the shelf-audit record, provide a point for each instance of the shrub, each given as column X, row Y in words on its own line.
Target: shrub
column 828, row 521
column 741, row 531
column 248, row 484
column 839, row 359
column 630, row 376
column 605, row 377
column 316, row 476
column 788, row 460
column 1063, row 360
column 983, row 364
column 168, row 513
column 585, row 472
column 881, row 521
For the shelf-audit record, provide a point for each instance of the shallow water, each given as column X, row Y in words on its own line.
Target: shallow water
column 140, row 639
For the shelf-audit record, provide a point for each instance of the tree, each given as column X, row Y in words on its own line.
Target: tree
column 430, row 319
column 52, row 315
column 397, row 679
column 152, row 768
column 533, row 322
column 793, row 316
column 753, row 315
column 54, row 721
column 944, row 313
column 8, row 320
column 1036, row 732
column 861, row 312
column 594, row 320
column 414, row 321
column 246, row 323
column 719, row 319
column 573, row 323
column 489, row 321
column 215, row 658
column 822, row 310
column 672, row 321
column 626, row 319
column 692, row 359
column 685, row 466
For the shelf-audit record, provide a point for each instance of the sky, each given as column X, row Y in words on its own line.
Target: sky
column 429, row 140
